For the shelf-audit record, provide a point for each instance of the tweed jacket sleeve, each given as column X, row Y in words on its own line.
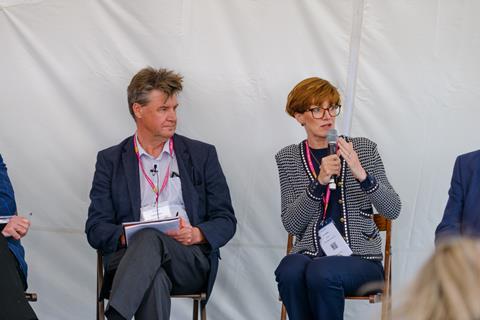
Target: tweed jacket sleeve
column 381, row 194
column 298, row 202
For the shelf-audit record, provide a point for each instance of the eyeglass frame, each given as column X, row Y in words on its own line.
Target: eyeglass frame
column 335, row 106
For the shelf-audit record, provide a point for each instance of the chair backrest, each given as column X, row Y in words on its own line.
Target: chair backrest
column 31, row 296
column 198, row 298
column 383, row 225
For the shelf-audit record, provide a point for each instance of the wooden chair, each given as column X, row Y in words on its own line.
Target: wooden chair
column 197, row 298
column 31, row 296
column 384, row 225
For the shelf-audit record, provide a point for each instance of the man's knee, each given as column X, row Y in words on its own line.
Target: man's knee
column 148, row 237
column 145, row 234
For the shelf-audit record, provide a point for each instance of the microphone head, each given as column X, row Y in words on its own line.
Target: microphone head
column 332, row 136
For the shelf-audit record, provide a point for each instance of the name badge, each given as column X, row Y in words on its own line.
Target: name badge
column 332, row 242
column 153, row 212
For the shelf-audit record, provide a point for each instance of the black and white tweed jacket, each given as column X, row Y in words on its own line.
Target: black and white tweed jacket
column 301, row 209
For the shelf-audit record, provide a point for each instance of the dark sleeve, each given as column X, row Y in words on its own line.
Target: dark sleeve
column 220, row 223
column 102, row 230
column 7, row 198
column 452, row 216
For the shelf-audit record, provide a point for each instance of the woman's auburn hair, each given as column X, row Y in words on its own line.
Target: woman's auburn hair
column 308, row 92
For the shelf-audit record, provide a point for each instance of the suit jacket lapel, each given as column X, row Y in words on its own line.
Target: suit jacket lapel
column 130, row 164
column 186, row 171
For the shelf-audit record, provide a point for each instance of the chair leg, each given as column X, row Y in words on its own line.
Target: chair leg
column 100, row 302
column 195, row 309
column 386, row 307
column 283, row 315
column 388, row 312
column 385, row 311
column 203, row 311
column 100, row 310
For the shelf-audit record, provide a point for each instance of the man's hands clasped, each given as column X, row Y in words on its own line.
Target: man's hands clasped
column 187, row 235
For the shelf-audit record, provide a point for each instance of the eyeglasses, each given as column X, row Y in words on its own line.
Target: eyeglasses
column 319, row 112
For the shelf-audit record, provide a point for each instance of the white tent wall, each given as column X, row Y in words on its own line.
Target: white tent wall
column 417, row 97
column 65, row 66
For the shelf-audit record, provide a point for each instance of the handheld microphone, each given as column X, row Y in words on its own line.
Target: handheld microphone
column 332, row 137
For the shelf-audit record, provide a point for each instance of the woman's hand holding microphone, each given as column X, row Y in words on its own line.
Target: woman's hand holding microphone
column 331, row 164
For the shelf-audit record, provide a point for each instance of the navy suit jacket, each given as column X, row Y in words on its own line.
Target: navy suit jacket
column 8, row 207
column 115, row 195
column 462, row 213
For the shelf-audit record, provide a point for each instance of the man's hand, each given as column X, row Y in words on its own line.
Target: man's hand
column 123, row 241
column 187, row 235
column 17, row 227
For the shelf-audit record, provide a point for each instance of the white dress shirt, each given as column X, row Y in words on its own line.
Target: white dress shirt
column 170, row 199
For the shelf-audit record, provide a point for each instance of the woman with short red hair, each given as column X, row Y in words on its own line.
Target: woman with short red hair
column 338, row 247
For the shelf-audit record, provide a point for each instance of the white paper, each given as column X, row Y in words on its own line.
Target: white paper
column 130, row 228
column 4, row 219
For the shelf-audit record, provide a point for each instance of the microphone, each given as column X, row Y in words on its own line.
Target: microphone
column 154, row 170
column 332, row 137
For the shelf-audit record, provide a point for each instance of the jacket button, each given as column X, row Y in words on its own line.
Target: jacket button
column 340, row 201
column 340, row 183
column 342, row 219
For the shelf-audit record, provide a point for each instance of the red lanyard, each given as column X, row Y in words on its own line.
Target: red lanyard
column 150, row 182
column 326, row 198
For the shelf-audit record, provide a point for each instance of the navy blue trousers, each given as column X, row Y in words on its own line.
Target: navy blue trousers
column 315, row 287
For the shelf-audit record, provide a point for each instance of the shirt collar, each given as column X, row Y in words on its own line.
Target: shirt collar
column 142, row 151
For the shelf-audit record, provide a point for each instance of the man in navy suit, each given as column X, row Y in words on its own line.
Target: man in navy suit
column 13, row 268
column 462, row 213
column 158, row 174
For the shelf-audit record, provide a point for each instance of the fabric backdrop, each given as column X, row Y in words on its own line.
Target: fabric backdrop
column 407, row 70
